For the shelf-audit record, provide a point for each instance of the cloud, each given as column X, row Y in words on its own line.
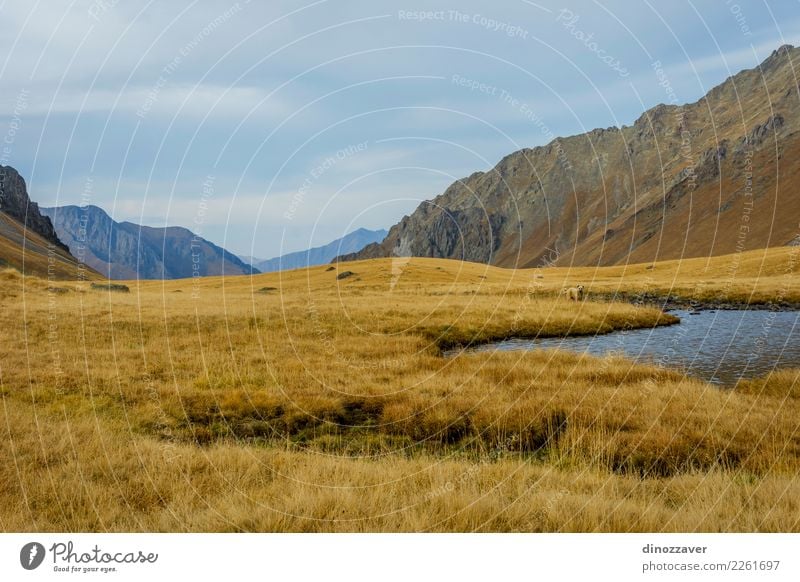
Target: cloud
column 174, row 91
column 166, row 101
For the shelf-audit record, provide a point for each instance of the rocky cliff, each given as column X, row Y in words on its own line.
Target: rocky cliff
column 712, row 177
column 123, row 250
column 15, row 202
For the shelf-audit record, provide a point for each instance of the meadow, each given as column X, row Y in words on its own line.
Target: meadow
column 320, row 400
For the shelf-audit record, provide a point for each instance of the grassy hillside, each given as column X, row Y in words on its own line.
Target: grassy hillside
column 27, row 252
column 762, row 276
column 317, row 400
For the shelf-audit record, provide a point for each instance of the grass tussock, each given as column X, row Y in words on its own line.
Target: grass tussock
column 115, row 287
column 329, row 407
column 70, row 475
column 780, row 384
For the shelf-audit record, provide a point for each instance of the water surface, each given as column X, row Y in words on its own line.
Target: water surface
column 717, row 346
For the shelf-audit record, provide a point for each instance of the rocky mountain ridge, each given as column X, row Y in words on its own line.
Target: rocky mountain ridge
column 16, row 203
column 706, row 178
column 124, row 250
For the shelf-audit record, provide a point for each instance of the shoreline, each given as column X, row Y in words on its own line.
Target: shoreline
column 669, row 303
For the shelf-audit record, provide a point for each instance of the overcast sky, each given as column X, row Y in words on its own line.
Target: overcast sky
column 270, row 127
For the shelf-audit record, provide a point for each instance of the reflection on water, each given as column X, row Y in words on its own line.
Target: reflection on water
column 717, row 346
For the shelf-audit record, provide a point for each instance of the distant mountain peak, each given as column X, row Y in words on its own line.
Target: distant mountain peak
column 125, row 250
column 350, row 243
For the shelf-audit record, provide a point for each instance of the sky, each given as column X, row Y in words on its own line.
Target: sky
column 271, row 127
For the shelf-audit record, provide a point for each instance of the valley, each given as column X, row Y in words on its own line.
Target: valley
column 301, row 401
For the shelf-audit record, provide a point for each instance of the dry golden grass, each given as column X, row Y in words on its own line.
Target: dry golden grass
column 70, row 474
column 780, row 384
column 763, row 276
column 26, row 251
column 299, row 402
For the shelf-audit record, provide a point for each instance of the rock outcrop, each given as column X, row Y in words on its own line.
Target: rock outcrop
column 15, row 202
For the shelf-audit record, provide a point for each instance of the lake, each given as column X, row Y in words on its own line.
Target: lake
column 720, row 347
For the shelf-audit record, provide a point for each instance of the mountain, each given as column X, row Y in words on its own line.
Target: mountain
column 15, row 203
column 352, row 243
column 250, row 260
column 28, row 241
column 123, row 250
column 707, row 178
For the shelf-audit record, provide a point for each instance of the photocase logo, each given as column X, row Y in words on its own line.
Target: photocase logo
column 31, row 555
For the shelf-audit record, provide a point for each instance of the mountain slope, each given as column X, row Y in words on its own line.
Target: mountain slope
column 707, row 178
column 123, row 250
column 28, row 241
column 352, row 243
column 250, row 260
column 15, row 202
column 32, row 254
